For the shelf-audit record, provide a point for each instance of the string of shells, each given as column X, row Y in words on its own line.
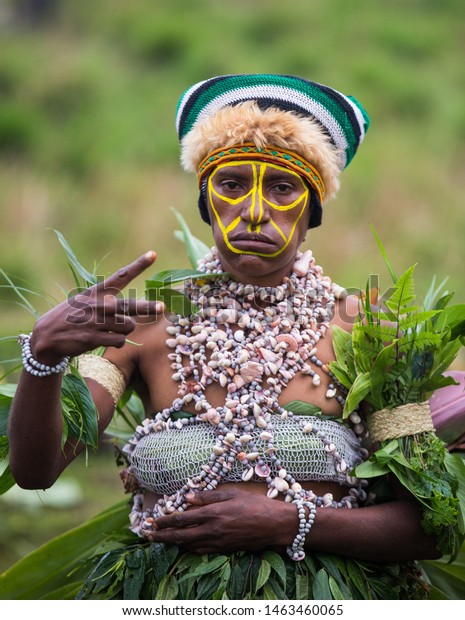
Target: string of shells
column 251, row 341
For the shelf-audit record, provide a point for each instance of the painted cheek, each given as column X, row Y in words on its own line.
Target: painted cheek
column 288, row 222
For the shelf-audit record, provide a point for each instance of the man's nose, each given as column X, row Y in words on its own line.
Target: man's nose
column 255, row 210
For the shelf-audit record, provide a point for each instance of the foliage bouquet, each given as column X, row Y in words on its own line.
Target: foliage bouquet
column 391, row 363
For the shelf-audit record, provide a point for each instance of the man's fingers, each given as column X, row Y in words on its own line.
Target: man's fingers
column 109, row 311
column 178, row 520
column 138, row 307
column 188, row 538
column 204, row 498
column 121, row 278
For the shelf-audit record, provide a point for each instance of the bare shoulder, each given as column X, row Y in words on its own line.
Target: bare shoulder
column 346, row 312
column 147, row 339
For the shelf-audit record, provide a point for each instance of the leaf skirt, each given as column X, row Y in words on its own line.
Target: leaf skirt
column 102, row 559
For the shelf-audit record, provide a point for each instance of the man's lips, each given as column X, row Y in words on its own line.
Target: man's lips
column 251, row 238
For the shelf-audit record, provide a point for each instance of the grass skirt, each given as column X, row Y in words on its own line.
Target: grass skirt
column 102, row 559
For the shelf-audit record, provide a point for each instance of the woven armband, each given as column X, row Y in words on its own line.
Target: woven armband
column 104, row 373
column 401, row 421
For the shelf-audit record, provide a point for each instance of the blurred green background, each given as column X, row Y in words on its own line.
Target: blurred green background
column 88, row 92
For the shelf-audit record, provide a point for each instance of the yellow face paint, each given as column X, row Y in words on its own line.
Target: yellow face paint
column 255, row 206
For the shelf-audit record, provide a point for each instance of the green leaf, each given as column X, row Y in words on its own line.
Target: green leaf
column 168, row 589
column 181, row 415
column 277, row 564
column 342, row 342
column 448, row 579
column 358, row 391
column 379, row 374
column 4, row 447
column 269, row 594
column 134, row 575
column 274, row 586
column 302, row 587
column 79, row 410
column 383, row 590
column 452, row 317
column 416, row 319
column 7, row 391
column 419, row 342
column 66, row 593
column 53, row 565
column 89, row 278
column 321, row 589
column 210, row 566
column 207, row 585
column 299, row 407
column 365, row 347
column 26, row 304
column 381, row 333
column 6, row 481
column 174, row 300
column 173, row 276
column 435, row 383
column 310, row 564
column 220, row 593
column 384, row 255
column 107, row 574
column 340, row 374
column 455, row 465
column 432, row 299
column 263, row 575
column 196, row 249
column 445, row 356
column 370, row 469
column 403, row 293
column 335, row 590
column 358, row 579
column 237, row 583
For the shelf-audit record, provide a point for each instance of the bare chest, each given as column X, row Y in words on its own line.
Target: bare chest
column 172, row 375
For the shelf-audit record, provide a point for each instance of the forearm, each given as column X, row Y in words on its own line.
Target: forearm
column 389, row 532
column 35, row 431
column 94, row 318
column 234, row 519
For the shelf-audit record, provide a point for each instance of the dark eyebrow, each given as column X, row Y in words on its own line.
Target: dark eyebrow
column 272, row 174
column 233, row 171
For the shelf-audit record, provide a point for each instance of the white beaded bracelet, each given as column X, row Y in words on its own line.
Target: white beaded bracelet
column 32, row 365
column 296, row 550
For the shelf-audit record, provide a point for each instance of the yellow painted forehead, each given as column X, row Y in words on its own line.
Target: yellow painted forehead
column 262, row 165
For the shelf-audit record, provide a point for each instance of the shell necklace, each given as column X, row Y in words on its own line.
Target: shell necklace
column 252, row 341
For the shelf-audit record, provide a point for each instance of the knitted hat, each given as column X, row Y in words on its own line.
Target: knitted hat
column 316, row 122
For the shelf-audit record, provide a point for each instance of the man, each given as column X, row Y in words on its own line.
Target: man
column 268, row 151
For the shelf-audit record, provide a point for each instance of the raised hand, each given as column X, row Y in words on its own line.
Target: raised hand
column 93, row 318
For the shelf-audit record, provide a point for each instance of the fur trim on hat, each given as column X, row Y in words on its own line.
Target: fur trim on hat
column 246, row 122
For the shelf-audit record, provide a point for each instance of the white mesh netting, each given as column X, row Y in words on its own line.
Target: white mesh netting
column 163, row 461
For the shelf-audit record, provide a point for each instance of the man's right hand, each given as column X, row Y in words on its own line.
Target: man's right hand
column 93, row 318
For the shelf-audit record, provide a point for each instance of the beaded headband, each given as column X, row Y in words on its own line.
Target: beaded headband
column 282, row 157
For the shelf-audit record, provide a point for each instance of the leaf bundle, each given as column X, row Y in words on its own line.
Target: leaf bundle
column 397, row 354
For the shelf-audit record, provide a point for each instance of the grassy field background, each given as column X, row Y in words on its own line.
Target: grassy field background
column 88, row 146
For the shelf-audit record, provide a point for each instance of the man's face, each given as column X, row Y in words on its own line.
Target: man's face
column 259, row 213
column 258, row 208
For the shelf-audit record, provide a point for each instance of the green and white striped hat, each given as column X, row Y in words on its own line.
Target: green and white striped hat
column 341, row 117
